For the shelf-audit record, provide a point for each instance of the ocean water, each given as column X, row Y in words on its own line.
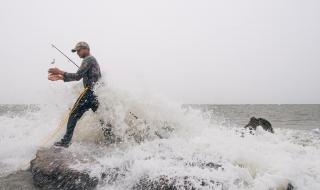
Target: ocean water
column 304, row 117
column 192, row 134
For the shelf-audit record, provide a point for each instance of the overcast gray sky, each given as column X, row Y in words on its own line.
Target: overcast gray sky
column 193, row 51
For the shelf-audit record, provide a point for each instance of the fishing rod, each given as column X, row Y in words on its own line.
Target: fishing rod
column 64, row 55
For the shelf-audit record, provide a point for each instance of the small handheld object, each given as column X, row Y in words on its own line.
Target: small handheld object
column 53, row 61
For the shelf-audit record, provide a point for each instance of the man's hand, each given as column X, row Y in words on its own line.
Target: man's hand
column 53, row 77
column 55, row 71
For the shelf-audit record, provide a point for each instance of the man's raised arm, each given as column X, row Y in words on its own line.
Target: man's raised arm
column 85, row 66
column 56, row 73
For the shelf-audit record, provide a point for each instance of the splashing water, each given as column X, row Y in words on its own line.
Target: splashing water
column 160, row 138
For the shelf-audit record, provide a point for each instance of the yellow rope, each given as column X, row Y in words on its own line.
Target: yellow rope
column 62, row 123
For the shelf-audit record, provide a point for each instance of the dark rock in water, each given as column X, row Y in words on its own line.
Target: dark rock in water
column 164, row 182
column 186, row 183
column 176, row 183
column 19, row 180
column 290, row 187
column 255, row 122
column 57, row 168
column 52, row 169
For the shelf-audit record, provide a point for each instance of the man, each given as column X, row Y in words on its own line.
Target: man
column 89, row 71
column 255, row 122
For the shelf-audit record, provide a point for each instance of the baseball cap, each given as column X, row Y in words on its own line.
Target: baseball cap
column 80, row 45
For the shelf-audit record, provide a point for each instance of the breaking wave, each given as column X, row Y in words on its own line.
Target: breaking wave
column 158, row 138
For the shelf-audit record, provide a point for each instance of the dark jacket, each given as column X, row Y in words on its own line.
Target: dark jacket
column 89, row 70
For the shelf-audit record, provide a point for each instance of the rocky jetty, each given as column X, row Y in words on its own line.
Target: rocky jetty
column 62, row 169
column 53, row 168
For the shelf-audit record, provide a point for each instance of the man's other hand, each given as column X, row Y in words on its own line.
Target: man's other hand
column 55, row 71
column 55, row 77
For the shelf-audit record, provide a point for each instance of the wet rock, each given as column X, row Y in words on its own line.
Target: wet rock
column 53, row 168
column 164, row 182
column 176, row 183
column 19, row 180
column 290, row 187
column 187, row 183
column 255, row 122
column 58, row 168
column 111, row 175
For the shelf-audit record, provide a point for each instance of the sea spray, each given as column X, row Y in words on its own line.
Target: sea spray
column 207, row 154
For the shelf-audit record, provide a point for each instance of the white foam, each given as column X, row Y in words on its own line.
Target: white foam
column 260, row 161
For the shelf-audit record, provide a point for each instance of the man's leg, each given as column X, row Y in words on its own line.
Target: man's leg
column 81, row 106
column 72, row 121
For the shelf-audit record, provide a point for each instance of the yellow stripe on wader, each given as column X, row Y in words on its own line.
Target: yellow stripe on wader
column 78, row 100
